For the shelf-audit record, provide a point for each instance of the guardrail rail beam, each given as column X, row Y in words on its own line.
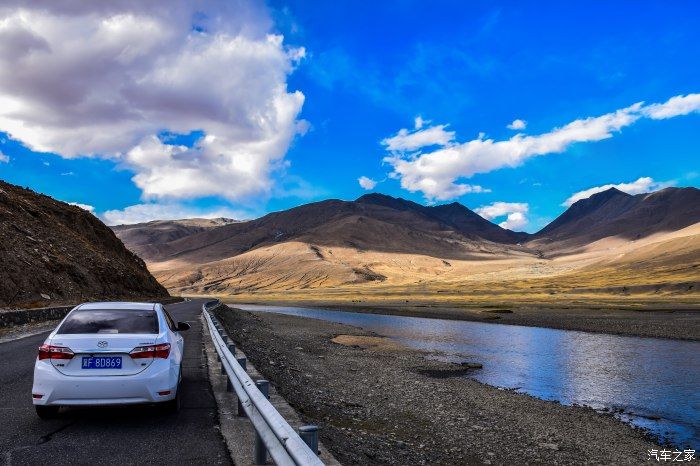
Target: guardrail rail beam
column 275, row 435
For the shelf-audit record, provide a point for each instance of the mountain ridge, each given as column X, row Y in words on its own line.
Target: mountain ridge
column 613, row 213
column 337, row 222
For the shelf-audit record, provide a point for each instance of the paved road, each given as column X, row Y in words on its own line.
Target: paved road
column 134, row 435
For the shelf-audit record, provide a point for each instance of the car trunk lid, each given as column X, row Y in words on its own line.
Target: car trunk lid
column 109, row 353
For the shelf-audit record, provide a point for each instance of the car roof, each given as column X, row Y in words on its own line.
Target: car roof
column 118, row 305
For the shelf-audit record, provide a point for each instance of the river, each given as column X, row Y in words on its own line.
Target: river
column 649, row 382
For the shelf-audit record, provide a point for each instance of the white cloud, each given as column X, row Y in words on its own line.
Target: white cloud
column 515, row 213
column 642, row 185
column 406, row 140
column 140, row 213
column 419, row 122
column 675, row 106
column 514, row 221
column 4, row 158
column 367, row 183
column 517, row 125
column 436, row 173
column 105, row 78
column 499, row 209
column 87, row 207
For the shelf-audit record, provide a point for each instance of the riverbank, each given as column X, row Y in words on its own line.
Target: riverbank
column 380, row 403
column 681, row 322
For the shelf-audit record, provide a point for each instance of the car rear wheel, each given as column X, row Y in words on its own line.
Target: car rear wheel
column 173, row 406
column 46, row 412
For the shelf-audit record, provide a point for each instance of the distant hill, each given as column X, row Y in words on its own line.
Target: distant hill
column 373, row 222
column 53, row 252
column 613, row 213
column 145, row 238
column 455, row 215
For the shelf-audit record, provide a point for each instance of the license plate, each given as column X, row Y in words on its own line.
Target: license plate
column 102, row 362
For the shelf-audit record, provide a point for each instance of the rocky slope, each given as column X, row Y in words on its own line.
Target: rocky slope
column 52, row 252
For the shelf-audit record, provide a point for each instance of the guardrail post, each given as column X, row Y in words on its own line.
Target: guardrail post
column 260, row 450
column 264, row 387
column 309, row 434
column 241, row 411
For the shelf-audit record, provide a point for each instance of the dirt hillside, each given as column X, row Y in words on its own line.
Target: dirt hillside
column 52, row 252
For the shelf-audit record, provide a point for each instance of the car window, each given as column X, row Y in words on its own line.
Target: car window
column 110, row 321
column 169, row 319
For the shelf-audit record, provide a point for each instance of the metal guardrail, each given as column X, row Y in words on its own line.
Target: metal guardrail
column 273, row 433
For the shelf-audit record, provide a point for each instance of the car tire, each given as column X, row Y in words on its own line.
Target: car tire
column 46, row 412
column 173, row 406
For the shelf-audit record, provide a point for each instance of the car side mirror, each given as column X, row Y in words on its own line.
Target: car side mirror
column 182, row 326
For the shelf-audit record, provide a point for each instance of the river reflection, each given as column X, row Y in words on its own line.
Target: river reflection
column 656, row 382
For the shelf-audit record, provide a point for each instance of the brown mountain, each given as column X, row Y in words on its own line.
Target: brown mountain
column 613, row 213
column 373, row 222
column 454, row 215
column 145, row 238
column 53, row 252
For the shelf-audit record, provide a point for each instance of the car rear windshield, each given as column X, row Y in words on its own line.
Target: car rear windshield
column 110, row 321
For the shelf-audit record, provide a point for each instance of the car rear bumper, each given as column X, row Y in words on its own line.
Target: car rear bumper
column 57, row 389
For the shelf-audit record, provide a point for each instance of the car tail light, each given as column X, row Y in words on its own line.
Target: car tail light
column 37, row 396
column 55, row 352
column 153, row 351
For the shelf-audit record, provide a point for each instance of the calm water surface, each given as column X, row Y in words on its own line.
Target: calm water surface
column 655, row 381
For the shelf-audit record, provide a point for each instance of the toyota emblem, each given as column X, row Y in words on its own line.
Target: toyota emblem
column 102, row 344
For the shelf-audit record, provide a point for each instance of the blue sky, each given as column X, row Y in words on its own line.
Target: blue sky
column 367, row 70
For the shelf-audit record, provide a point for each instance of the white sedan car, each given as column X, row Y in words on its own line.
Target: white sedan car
column 110, row 354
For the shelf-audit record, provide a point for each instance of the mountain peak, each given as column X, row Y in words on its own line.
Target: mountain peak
column 374, row 197
column 454, row 205
column 389, row 201
column 454, row 214
column 615, row 213
column 603, row 196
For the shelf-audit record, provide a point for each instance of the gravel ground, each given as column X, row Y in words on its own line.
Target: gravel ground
column 383, row 404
